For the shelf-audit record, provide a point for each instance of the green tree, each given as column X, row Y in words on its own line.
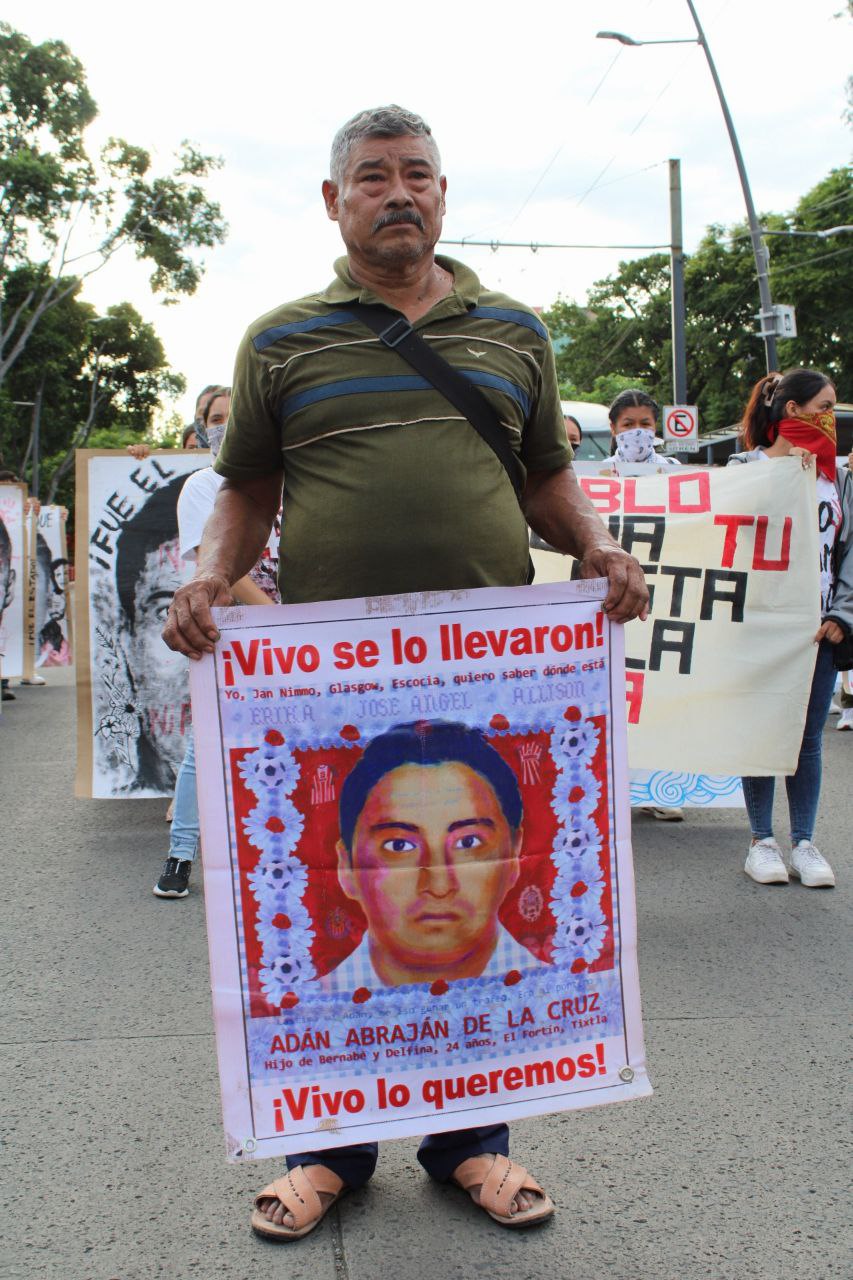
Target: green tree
column 124, row 375
column 814, row 275
column 81, row 374
column 50, row 187
column 623, row 332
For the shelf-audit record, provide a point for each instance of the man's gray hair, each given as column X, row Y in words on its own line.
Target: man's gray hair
column 377, row 122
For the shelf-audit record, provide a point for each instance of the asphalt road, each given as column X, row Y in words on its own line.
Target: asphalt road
column 113, row 1161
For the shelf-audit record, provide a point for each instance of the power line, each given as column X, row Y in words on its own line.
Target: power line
column 821, row 257
column 534, row 245
column 543, row 175
column 597, row 181
column 633, row 174
column 554, row 157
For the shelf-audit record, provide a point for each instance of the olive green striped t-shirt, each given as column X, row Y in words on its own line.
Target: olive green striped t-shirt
column 387, row 488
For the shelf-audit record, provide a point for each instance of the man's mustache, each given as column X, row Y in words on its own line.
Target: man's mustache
column 403, row 215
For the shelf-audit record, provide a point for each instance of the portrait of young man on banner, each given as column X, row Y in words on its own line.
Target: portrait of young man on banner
column 134, row 694
column 432, row 874
column 12, row 578
column 51, row 632
column 7, row 573
column 424, row 873
column 431, row 834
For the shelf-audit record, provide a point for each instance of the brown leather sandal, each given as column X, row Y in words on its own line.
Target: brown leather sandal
column 300, row 1197
column 500, row 1187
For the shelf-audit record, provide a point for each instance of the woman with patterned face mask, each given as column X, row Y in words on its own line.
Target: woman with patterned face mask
column 792, row 414
column 633, row 423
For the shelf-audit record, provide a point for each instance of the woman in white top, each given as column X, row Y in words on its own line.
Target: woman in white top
column 793, row 414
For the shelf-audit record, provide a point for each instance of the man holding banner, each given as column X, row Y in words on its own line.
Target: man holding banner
column 389, row 490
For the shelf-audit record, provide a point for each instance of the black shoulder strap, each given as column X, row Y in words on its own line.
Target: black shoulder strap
column 395, row 331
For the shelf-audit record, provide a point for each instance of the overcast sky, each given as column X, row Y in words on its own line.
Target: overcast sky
column 546, row 133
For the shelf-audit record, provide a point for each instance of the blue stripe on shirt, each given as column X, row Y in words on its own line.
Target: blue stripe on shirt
column 269, row 336
column 511, row 316
column 399, row 382
column 507, row 314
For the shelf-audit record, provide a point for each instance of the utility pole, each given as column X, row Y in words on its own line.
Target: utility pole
column 768, row 322
column 37, row 439
column 676, row 266
column 768, row 315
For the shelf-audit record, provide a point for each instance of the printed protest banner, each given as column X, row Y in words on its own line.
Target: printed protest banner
column 667, row 788
column 133, row 709
column 48, row 612
column 718, row 677
column 675, row 789
column 13, row 578
column 418, row 877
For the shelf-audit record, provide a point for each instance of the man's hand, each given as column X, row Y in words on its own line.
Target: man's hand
column 628, row 596
column 190, row 628
column 560, row 512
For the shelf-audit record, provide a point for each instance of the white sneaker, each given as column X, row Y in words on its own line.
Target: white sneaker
column 846, row 720
column 662, row 814
column 835, row 709
column 765, row 864
column 810, row 866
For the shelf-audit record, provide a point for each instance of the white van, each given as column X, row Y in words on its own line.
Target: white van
column 595, row 425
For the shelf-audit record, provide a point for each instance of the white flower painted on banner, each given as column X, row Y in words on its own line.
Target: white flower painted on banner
column 574, row 894
column 271, row 766
column 283, row 932
column 576, row 796
column 274, row 828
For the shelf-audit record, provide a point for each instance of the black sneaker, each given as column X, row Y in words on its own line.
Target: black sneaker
column 174, row 879
column 8, row 695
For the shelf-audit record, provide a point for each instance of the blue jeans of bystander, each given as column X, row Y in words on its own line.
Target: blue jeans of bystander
column 183, row 843
column 803, row 787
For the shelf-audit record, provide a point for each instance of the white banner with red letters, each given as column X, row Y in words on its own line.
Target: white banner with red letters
column 719, row 675
column 417, row 863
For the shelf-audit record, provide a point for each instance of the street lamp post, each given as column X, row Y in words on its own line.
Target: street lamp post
column 767, row 313
column 676, row 273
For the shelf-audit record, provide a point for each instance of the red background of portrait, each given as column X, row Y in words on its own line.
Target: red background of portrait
column 339, row 922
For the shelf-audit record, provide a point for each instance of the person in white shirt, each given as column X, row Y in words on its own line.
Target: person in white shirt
column 257, row 587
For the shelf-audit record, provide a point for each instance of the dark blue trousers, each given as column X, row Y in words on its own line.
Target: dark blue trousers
column 439, row 1153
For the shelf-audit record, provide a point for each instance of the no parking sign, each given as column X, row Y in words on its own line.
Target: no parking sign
column 681, row 428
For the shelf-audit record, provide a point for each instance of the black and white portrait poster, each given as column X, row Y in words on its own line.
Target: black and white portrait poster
column 133, row 705
column 49, row 618
column 13, row 579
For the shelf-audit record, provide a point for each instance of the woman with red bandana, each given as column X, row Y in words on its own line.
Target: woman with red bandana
column 792, row 414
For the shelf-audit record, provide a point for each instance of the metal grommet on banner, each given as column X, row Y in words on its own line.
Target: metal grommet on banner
column 626, row 1074
column 251, row 1144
